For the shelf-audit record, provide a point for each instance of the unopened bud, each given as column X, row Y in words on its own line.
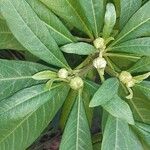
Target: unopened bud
column 99, row 63
column 130, row 83
column 76, row 83
column 99, row 43
column 125, row 77
column 63, row 73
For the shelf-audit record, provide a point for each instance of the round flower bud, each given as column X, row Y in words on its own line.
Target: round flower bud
column 130, row 84
column 63, row 73
column 125, row 77
column 99, row 63
column 76, row 83
column 99, row 43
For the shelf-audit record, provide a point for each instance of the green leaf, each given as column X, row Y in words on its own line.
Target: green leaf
column 135, row 142
column 15, row 75
column 27, row 113
column 67, row 107
column 87, row 95
column 144, row 132
column 143, row 65
column 116, row 135
column 31, row 32
column 94, row 11
column 140, row 104
column 58, row 31
column 128, row 8
column 91, row 86
column 105, row 92
column 7, row 40
column 45, row 75
column 77, row 132
column 109, row 21
column 71, row 11
column 136, row 26
column 120, row 109
column 140, row 46
column 80, row 48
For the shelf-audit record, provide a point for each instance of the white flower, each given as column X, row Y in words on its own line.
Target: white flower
column 99, row 63
column 63, row 73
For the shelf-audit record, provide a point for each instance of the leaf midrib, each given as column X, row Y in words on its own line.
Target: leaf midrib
column 16, row 78
column 137, row 111
column 25, row 100
column 83, row 23
column 35, row 34
column 78, row 122
column 94, row 16
column 130, row 31
column 29, row 115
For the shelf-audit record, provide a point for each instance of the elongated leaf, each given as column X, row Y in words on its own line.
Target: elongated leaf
column 71, row 11
column 15, row 75
column 140, row 46
column 26, row 114
column 128, row 8
column 67, row 107
column 80, row 48
column 7, row 40
column 105, row 92
column 77, row 132
column 143, row 65
column 135, row 141
column 91, row 86
column 140, row 103
column 58, row 31
column 144, row 132
column 136, row 26
column 94, row 11
column 31, row 32
column 116, row 135
column 120, row 109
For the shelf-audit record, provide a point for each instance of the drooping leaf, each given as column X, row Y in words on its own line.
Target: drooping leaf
column 140, row 46
column 144, row 132
column 143, row 65
column 7, row 40
column 27, row 113
column 136, row 26
column 31, row 32
column 77, row 132
column 116, row 135
column 105, row 92
column 71, row 11
column 94, row 11
column 120, row 109
column 128, row 8
column 58, row 31
column 140, row 103
column 15, row 75
column 79, row 48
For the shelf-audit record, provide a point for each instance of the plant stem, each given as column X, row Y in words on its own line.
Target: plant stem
column 101, row 75
column 80, row 39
